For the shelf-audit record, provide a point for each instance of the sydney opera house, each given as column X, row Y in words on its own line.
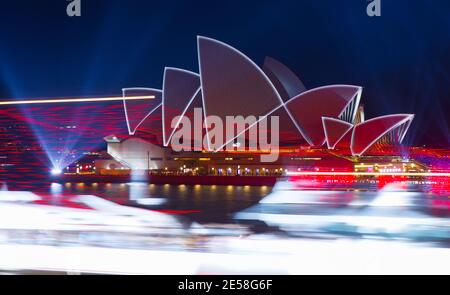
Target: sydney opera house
column 322, row 123
column 230, row 84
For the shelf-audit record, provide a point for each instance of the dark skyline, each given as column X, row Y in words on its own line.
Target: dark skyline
column 402, row 59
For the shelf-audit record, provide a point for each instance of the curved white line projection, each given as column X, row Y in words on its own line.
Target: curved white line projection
column 180, row 87
column 335, row 130
column 136, row 111
column 284, row 80
column 308, row 108
column 152, row 126
column 233, row 84
column 386, row 124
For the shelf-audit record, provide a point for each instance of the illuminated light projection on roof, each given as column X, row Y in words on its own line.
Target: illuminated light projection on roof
column 335, row 130
column 308, row 108
column 135, row 112
column 391, row 128
column 232, row 84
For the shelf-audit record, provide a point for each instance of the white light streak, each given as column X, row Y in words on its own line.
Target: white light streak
column 73, row 100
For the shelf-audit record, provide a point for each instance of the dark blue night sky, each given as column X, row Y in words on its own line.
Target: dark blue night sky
column 402, row 59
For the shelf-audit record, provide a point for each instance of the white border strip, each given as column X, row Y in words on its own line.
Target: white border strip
column 357, row 96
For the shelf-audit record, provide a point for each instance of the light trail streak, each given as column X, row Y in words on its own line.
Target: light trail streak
column 425, row 174
column 73, row 100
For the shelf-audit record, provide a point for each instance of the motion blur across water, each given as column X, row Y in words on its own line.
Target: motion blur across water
column 140, row 228
column 200, row 203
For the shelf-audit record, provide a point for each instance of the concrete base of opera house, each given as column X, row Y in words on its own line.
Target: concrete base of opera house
column 176, row 179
